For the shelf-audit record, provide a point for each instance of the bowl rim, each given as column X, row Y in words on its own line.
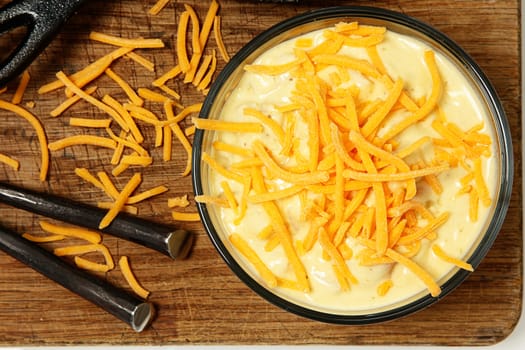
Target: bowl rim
column 502, row 130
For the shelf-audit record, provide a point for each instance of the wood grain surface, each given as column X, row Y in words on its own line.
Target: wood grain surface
column 199, row 300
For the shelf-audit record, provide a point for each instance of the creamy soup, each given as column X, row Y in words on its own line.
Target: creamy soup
column 451, row 192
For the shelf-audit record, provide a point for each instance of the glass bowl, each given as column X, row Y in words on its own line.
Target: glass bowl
column 398, row 23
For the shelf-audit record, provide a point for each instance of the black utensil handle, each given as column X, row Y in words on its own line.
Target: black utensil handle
column 43, row 19
column 126, row 307
column 172, row 242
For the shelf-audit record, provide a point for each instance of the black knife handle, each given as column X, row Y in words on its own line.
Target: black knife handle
column 126, row 307
column 175, row 243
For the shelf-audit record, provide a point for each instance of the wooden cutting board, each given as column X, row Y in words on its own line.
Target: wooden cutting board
column 199, row 300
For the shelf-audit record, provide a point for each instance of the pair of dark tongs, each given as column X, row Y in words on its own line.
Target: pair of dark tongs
column 42, row 20
column 165, row 239
column 125, row 306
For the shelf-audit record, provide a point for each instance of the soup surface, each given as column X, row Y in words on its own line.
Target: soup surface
column 358, row 168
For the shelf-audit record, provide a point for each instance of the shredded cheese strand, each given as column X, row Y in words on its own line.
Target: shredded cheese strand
column 13, row 163
column 78, row 232
column 245, row 249
column 82, row 140
column 22, row 86
column 137, row 43
column 121, row 200
column 125, row 268
column 39, row 129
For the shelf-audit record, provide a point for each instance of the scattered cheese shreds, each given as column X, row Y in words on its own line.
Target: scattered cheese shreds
column 131, row 279
column 88, row 73
column 90, row 123
column 195, row 33
column 22, row 86
column 121, row 200
column 42, row 239
column 130, row 209
column 155, row 191
column 182, row 53
column 82, row 140
column 181, row 201
column 78, row 232
column 146, row 63
column 125, row 86
column 84, row 249
column 182, row 216
column 70, row 85
column 157, row 7
column 218, row 38
column 203, row 38
column 125, row 42
column 130, row 136
column 90, row 265
column 39, row 129
column 13, row 163
column 70, row 102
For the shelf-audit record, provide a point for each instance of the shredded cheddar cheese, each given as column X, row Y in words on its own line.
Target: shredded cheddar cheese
column 125, row 86
column 195, row 34
column 182, row 54
column 130, row 209
column 84, row 249
column 90, row 123
column 88, row 73
column 132, row 110
column 147, row 194
column 181, row 201
column 144, row 62
column 82, row 140
column 39, row 129
column 70, row 102
column 384, row 287
column 157, row 7
column 125, row 42
column 42, row 239
column 13, row 163
column 108, row 185
column 22, row 86
column 121, row 200
column 69, row 84
column 182, row 216
column 131, row 279
column 90, row 265
column 203, row 38
column 252, row 256
column 78, row 232
column 172, row 73
column 442, row 255
column 202, row 70
column 218, row 38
